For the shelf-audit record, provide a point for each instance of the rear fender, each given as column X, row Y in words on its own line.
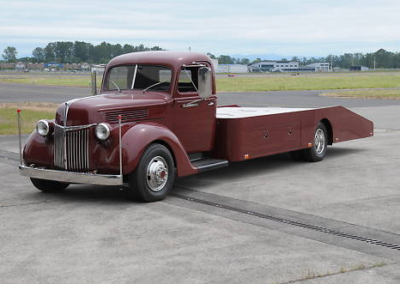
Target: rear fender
column 139, row 137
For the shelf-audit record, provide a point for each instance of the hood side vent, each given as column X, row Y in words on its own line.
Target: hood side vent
column 127, row 115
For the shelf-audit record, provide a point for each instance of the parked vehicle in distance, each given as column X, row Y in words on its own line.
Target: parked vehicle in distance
column 156, row 117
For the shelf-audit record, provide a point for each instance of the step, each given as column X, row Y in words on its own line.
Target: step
column 209, row 164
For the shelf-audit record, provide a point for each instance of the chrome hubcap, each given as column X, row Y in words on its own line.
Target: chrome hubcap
column 319, row 141
column 157, row 173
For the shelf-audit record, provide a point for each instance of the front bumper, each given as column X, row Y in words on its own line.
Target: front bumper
column 70, row 177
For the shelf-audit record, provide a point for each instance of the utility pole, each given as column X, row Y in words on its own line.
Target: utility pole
column 374, row 63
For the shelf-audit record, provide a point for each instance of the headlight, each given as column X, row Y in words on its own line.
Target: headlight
column 102, row 131
column 42, row 127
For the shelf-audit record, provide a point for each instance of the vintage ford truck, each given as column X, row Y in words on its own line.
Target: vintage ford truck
column 156, row 117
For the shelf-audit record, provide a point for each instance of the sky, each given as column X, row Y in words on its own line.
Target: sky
column 246, row 27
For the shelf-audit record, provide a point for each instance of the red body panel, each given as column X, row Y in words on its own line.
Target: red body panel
column 140, row 136
column 195, row 126
column 239, row 139
column 38, row 150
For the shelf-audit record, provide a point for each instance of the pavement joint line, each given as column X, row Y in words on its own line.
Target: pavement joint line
column 4, row 154
column 320, row 276
column 342, row 232
column 9, row 158
column 27, row 204
column 294, row 223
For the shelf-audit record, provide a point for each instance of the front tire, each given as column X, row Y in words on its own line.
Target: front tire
column 49, row 186
column 154, row 176
column 320, row 145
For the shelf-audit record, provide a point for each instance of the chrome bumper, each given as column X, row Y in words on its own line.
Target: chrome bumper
column 70, row 177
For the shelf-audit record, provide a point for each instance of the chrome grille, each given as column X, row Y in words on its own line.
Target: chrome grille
column 71, row 149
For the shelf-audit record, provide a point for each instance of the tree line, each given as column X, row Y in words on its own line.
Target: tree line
column 379, row 59
column 75, row 52
column 80, row 51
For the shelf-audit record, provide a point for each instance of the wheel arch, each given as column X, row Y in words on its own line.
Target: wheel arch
column 146, row 134
column 329, row 129
column 166, row 145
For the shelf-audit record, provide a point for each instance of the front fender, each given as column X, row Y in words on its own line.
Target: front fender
column 38, row 150
column 140, row 136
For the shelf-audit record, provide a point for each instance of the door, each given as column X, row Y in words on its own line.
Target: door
column 194, row 122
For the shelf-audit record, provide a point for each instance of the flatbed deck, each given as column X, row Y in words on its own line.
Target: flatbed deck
column 243, row 112
column 246, row 132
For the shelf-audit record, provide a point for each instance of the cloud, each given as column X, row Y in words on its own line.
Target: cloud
column 298, row 27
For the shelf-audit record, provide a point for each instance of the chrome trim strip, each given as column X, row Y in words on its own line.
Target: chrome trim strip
column 134, row 77
column 72, row 128
column 120, row 144
column 64, row 133
column 70, row 177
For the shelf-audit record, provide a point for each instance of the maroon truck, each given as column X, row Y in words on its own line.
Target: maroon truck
column 156, row 117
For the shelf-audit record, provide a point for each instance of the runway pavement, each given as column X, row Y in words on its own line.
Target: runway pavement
column 269, row 220
column 10, row 92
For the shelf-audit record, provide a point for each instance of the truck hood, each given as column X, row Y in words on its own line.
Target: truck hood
column 107, row 107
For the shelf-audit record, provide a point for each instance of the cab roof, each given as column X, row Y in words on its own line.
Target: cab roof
column 169, row 58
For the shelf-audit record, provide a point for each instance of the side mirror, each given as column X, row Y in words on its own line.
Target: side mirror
column 205, row 82
column 94, row 82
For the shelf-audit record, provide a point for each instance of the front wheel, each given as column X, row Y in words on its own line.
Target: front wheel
column 154, row 176
column 49, row 185
column 318, row 150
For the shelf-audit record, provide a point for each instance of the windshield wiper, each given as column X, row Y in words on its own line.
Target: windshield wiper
column 156, row 84
column 119, row 90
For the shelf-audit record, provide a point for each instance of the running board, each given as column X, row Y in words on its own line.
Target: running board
column 209, row 164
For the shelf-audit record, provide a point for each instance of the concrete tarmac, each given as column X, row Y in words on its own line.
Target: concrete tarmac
column 11, row 92
column 274, row 223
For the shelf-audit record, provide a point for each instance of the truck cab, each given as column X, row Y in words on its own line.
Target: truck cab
column 156, row 117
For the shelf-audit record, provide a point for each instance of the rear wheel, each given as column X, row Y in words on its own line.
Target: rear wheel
column 49, row 185
column 154, row 176
column 320, row 145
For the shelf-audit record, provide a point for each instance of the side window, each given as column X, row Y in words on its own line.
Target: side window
column 119, row 76
column 187, row 78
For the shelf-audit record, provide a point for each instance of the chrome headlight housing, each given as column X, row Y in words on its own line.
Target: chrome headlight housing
column 102, row 131
column 42, row 127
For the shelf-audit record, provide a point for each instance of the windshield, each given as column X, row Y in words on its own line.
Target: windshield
column 138, row 77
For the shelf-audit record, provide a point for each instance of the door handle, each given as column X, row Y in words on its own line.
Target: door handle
column 211, row 103
column 190, row 105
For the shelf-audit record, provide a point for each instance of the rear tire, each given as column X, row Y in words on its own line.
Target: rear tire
column 49, row 186
column 154, row 176
column 320, row 145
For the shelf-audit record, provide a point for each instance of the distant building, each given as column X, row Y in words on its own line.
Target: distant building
column 19, row 66
column 274, row 66
column 359, row 68
column 320, row 67
column 232, row 68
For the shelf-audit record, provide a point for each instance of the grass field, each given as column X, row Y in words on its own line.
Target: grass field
column 244, row 83
column 67, row 81
column 271, row 83
column 30, row 114
column 393, row 94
